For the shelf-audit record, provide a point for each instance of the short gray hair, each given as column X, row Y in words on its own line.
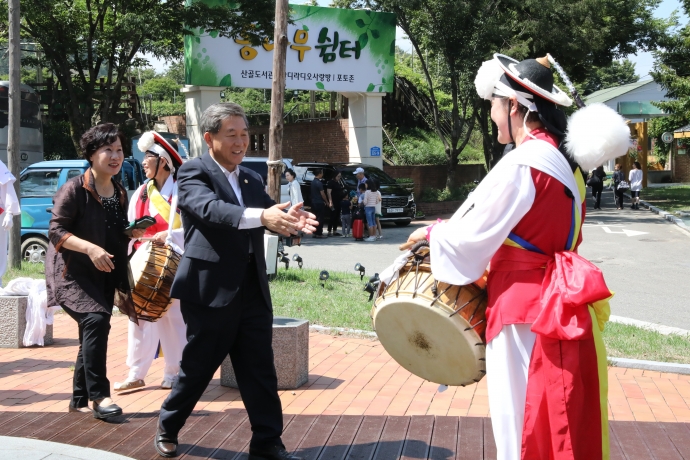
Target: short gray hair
column 212, row 118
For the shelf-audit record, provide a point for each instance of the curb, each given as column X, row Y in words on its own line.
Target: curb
column 666, row 215
column 671, row 368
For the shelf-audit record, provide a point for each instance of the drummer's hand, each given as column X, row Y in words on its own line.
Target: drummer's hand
column 101, row 258
column 417, row 235
column 160, row 237
column 138, row 233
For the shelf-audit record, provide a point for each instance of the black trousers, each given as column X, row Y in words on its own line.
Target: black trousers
column 319, row 211
column 334, row 217
column 619, row 198
column 243, row 329
column 90, row 382
column 596, row 194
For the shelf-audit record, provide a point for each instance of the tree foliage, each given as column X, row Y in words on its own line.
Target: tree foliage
column 617, row 73
column 80, row 38
column 672, row 72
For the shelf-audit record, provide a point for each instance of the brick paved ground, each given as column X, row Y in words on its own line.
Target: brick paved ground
column 348, row 376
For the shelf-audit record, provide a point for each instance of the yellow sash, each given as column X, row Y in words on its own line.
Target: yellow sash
column 161, row 204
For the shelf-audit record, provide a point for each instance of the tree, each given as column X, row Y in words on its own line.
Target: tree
column 161, row 89
column 617, row 73
column 79, row 38
column 176, row 72
column 672, row 72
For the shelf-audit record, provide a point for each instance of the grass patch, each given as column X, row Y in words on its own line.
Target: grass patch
column 341, row 303
column 669, row 199
column 435, row 195
column 27, row 271
column 625, row 341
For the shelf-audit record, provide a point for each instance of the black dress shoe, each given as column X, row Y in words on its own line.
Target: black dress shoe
column 165, row 445
column 103, row 412
column 271, row 453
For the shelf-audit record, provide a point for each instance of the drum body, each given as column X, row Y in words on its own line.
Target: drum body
column 434, row 330
column 153, row 268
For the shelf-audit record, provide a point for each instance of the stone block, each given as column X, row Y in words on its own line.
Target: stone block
column 13, row 322
column 290, row 354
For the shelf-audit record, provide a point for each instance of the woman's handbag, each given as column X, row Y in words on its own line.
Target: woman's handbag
column 623, row 185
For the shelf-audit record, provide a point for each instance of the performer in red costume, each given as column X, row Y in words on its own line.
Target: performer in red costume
column 545, row 360
column 161, row 160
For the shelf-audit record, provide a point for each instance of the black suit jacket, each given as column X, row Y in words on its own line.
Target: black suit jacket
column 216, row 254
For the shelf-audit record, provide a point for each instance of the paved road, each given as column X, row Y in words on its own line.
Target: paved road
column 645, row 259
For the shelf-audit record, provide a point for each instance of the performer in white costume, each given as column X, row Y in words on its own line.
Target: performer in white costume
column 160, row 163
column 9, row 207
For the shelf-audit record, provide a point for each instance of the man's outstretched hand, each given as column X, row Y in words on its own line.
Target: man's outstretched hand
column 295, row 220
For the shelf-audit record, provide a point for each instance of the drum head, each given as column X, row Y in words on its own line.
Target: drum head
column 139, row 260
column 427, row 342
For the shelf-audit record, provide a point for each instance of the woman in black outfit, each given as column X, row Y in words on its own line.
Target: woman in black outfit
column 87, row 269
column 618, row 176
column 335, row 192
column 596, row 181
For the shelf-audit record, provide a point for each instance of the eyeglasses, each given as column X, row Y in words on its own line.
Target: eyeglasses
column 150, row 155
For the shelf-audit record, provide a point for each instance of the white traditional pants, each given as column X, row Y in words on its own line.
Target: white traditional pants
column 507, row 364
column 142, row 343
column 4, row 249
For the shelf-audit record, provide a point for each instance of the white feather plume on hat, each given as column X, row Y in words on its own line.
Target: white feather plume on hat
column 487, row 77
column 596, row 134
column 146, row 141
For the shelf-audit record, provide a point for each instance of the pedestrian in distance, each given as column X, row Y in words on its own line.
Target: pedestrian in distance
column 87, row 270
column 377, row 215
column 335, row 192
column 319, row 201
column 635, row 178
column 369, row 201
column 293, row 188
column 596, row 182
column 222, row 284
column 346, row 215
column 618, row 178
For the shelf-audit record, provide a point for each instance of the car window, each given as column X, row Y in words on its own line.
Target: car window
column 73, row 173
column 379, row 175
column 39, row 182
column 261, row 168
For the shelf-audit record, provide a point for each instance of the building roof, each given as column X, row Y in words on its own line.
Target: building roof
column 684, row 129
column 607, row 94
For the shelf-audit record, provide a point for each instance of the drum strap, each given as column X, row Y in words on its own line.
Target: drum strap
column 162, row 206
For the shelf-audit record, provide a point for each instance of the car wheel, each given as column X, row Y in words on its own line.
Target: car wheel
column 34, row 250
column 403, row 224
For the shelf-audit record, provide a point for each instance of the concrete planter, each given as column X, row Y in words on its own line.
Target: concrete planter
column 13, row 322
column 290, row 354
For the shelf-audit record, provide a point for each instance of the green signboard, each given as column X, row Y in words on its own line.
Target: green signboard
column 329, row 49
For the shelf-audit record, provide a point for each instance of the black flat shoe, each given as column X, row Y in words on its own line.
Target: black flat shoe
column 165, row 445
column 103, row 412
column 271, row 453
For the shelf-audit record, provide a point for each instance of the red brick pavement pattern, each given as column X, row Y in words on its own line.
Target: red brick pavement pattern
column 347, row 376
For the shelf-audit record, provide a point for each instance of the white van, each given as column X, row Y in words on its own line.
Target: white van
column 258, row 164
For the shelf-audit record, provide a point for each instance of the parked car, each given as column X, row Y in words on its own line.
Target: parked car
column 39, row 183
column 397, row 204
column 258, row 165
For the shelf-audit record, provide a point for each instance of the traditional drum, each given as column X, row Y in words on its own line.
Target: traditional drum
column 434, row 330
column 153, row 269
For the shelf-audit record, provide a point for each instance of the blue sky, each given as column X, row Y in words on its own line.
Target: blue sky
column 643, row 61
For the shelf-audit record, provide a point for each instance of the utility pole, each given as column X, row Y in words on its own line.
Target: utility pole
column 275, row 133
column 13, row 154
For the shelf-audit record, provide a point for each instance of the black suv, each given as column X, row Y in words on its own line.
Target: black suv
column 397, row 204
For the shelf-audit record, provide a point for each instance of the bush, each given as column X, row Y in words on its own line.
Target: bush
column 421, row 147
column 434, row 195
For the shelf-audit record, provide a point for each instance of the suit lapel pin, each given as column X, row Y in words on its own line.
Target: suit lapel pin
column 246, row 181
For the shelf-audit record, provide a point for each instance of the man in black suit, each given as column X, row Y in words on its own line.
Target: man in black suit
column 222, row 284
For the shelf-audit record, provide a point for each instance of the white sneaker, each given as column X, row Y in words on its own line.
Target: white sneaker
column 167, row 384
column 371, row 238
column 379, row 237
column 344, row 235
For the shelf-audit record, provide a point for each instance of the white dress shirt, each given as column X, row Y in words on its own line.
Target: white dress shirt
column 251, row 217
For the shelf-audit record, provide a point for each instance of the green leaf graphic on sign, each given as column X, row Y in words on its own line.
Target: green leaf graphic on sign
column 383, row 80
column 226, row 80
column 380, row 89
column 213, row 33
column 320, row 85
column 368, row 12
column 375, row 33
column 371, row 87
column 360, row 23
column 363, row 40
column 197, row 39
column 392, row 50
column 304, row 27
